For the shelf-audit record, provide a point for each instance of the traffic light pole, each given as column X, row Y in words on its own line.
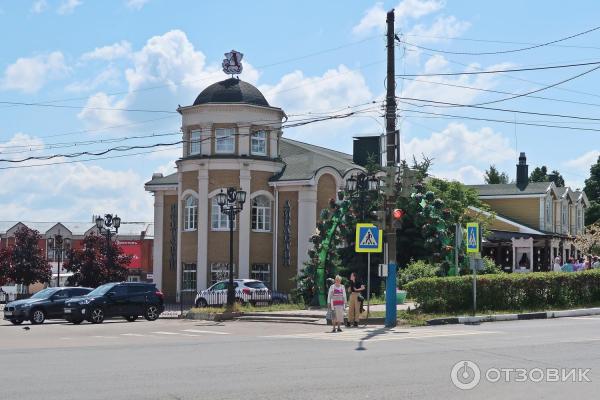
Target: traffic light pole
column 391, row 163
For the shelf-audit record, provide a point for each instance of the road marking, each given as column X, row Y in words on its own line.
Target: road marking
column 585, row 318
column 105, row 337
column 166, row 333
column 200, row 331
column 376, row 335
column 132, row 334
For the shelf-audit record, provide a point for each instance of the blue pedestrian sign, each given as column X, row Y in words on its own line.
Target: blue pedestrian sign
column 472, row 237
column 369, row 239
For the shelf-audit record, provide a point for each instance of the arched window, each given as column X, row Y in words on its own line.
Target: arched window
column 190, row 216
column 261, row 214
column 219, row 221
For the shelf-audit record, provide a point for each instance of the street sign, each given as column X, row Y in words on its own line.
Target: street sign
column 369, row 239
column 472, row 237
column 383, row 270
column 476, row 263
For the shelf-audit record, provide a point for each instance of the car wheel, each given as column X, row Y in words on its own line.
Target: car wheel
column 38, row 316
column 131, row 318
column 76, row 321
column 16, row 321
column 201, row 303
column 151, row 313
column 96, row 315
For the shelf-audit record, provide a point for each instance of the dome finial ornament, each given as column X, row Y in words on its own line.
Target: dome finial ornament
column 232, row 64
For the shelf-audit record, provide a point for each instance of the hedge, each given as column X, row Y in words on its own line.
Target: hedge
column 538, row 290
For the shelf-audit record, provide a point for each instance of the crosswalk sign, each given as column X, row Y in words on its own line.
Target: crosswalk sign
column 369, row 239
column 472, row 237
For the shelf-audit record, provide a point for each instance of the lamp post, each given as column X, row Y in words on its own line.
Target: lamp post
column 355, row 186
column 58, row 247
column 231, row 204
column 104, row 226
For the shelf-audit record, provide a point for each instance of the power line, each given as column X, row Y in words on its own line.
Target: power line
column 501, row 92
column 500, row 51
column 499, row 41
column 452, row 116
column 18, row 103
column 297, row 123
column 516, row 96
column 503, row 70
column 443, row 103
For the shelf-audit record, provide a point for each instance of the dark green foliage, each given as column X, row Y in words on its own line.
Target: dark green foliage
column 592, row 191
column 416, row 270
column 542, row 175
column 538, row 290
column 493, row 176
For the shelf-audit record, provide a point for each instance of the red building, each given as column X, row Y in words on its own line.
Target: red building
column 135, row 238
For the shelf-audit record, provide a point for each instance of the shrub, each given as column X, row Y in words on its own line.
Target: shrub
column 416, row 270
column 536, row 290
column 489, row 267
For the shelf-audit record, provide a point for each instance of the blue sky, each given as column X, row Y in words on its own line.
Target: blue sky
column 308, row 56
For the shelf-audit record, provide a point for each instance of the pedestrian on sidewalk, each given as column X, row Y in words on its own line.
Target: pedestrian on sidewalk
column 557, row 264
column 336, row 299
column 355, row 289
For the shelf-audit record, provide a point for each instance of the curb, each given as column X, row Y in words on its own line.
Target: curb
column 581, row 312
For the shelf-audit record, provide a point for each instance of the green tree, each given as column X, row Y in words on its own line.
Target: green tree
column 4, row 265
column 493, row 176
column 92, row 267
column 542, row 175
column 539, row 174
column 557, row 178
column 592, row 191
column 24, row 260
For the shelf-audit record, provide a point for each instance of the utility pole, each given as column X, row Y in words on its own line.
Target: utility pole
column 391, row 162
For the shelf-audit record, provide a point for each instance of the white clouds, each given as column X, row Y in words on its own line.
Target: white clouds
column 114, row 51
column 39, row 6
column 334, row 89
column 136, row 4
column 448, row 26
column 68, row 191
column 109, row 75
column 103, row 111
column 468, row 174
column 68, row 6
column 457, row 144
column 30, row 74
column 584, row 162
column 374, row 18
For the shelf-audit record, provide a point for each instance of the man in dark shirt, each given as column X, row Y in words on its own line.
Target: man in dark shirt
column 355, row 289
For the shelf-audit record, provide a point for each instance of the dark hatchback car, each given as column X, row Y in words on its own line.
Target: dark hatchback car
column 46, row 304
column 125, row 299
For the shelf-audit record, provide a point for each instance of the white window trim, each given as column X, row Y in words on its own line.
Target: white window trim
column 193, row 271
column 195, row 142
column 187, row 213
column 263, row 139
column 232, row 136
column 268, row 210
column 222, row 216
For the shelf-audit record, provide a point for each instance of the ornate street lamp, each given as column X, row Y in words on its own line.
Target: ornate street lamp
column 104, row 226
column 58, row 249
column 231, row 203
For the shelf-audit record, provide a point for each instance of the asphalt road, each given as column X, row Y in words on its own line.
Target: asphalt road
column 172, row 359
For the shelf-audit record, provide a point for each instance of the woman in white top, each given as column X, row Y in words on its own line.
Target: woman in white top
column 557, row 264
column 336, row 299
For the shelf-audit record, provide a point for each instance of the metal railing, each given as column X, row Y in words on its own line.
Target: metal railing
column 190, row 299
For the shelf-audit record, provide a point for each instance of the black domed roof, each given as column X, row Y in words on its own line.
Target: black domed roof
column 231, row 90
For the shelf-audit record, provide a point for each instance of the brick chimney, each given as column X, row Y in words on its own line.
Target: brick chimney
column 522, row 172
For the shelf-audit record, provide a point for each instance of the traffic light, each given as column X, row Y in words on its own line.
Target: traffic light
column 397, row 215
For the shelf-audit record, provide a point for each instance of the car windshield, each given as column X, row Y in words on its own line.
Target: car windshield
column 255, row 285
column 43, row 294
column 101, row 290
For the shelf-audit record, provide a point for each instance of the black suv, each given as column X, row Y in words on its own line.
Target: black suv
column 125, row 299
column 45, row 304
